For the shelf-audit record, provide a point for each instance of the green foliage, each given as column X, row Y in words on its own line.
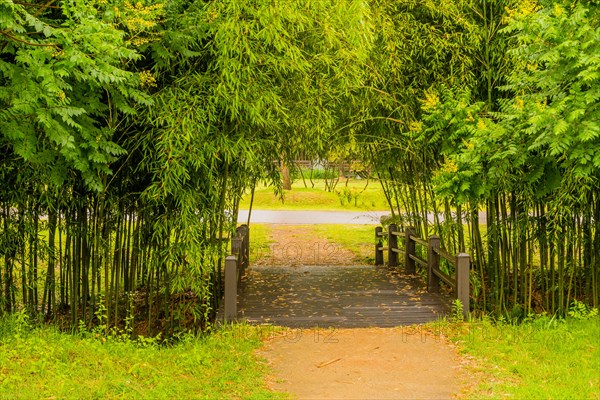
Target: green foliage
column 131, row 132
column 135, row 126
column 21, row 323
column 457, row 311
column 581, row 311
column 242, row 83
column 558, row 84
column 58, row 67
column 546, row 131
column 512, row 138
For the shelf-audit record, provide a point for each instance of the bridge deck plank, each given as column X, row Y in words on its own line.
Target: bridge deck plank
column 336, row 296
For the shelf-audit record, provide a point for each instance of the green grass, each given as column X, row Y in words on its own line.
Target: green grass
column 260, row 241
column 360, row 239
column 43, row 363
column 351, row 197
column 542, row 359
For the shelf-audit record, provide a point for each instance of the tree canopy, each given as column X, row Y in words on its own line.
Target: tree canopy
column 130, row 132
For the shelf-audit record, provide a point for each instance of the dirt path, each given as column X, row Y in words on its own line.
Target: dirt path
column 298, row 245
column 369, row 363
column 358, row 363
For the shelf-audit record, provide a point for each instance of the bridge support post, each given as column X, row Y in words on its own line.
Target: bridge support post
column 462, row 281
column 243, row 231
column 231, row 286
column 237, row 249
column 378, row 245
column 433, row 264
column 409, row 249
column 392, row 245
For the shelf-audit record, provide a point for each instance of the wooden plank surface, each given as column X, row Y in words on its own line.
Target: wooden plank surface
column 336, row 296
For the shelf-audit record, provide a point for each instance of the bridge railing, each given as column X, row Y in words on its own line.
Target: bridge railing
column 235, row 267
column 459, row 282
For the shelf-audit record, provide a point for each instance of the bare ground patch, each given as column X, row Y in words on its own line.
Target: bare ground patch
column 294, row 245
column 365, row 363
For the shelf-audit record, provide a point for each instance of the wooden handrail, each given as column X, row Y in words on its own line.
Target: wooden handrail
column 418, row 260
column 447, row 279
column 446, row 256
column 417, row 239
column 459, row 283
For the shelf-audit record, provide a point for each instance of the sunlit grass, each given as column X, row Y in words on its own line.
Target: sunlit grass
column 356, row 195
column 43, row 363
column 260, row 241
column 541, row 359
column 360, row 239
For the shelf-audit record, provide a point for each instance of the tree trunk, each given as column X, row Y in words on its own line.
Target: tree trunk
column 285, row 177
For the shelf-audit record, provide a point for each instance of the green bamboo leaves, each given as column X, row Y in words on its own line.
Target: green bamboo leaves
column 130, row 131
column 513, row 139
column 246, row 84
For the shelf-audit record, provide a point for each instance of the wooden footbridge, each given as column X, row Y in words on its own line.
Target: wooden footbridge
column 339, row 296
column 335, row 296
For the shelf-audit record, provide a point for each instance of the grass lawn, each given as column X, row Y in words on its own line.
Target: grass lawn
column 43, row 363
column 356, row 195
column 543, row 359
column 359, row 239
column 260, row 241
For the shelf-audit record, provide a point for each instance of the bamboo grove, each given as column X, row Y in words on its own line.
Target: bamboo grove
column 498, row 151
column 130, row 132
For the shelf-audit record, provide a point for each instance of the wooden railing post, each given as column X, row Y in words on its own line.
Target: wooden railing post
column 392, row 245
column 247, row 246
column 244, row 232
column 231, row 284
column 462, row 281
column 237, row 248
column 433, row 263
column 409, row 249
column 378, row 244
